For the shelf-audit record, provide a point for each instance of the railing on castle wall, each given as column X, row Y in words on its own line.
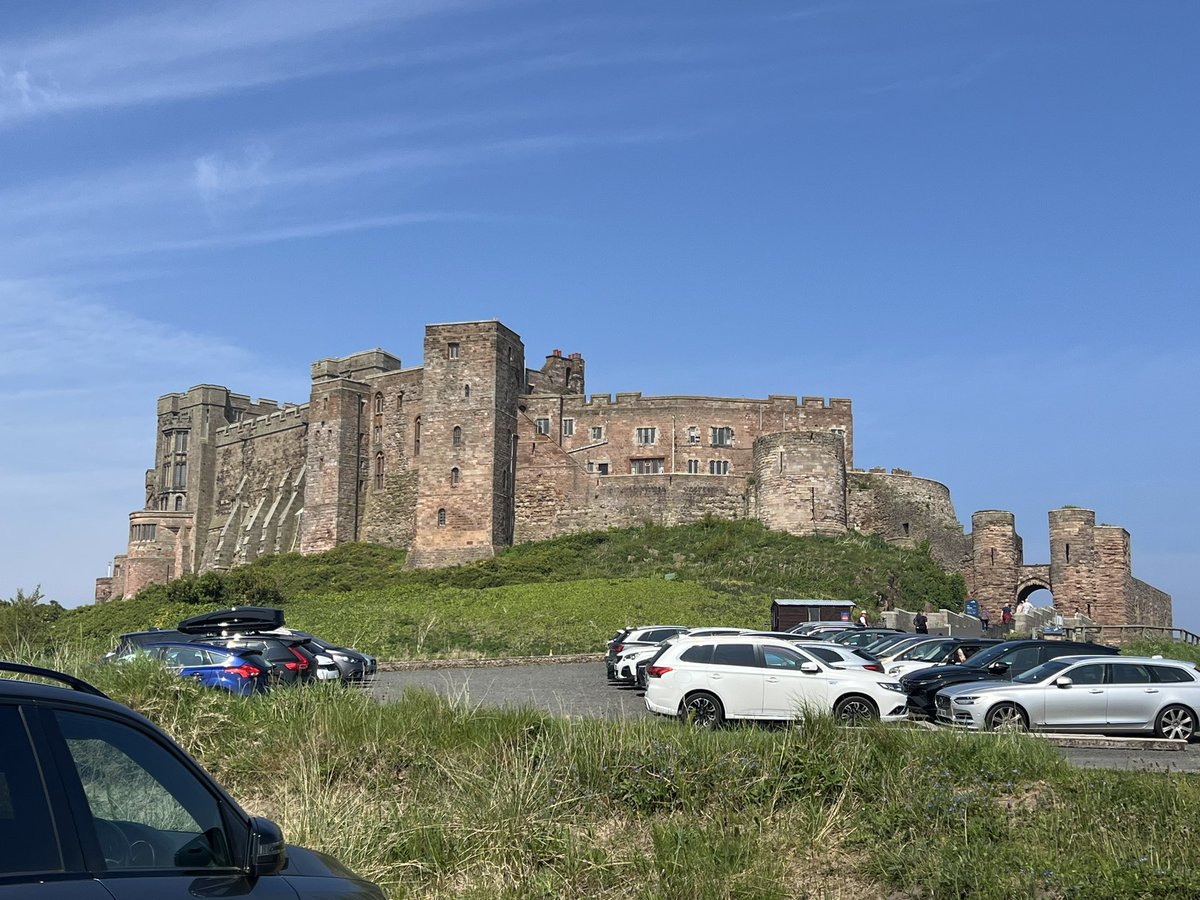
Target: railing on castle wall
column 1123, row 634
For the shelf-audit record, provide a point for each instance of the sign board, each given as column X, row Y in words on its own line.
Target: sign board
column 971, row 608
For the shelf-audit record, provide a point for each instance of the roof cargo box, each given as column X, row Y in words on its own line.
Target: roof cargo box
column 240, row 618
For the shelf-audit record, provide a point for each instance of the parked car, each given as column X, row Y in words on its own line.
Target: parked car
column 132, row 640
column 626, row 665
column 822, row 629
column 86, row 781
column 1083, row 693
column 646, row 635
column 288, row 665
column 922, row 657
column 999, row 662
column 861, row 637
column 243, row 673
column 706, row 682
column 834, row 654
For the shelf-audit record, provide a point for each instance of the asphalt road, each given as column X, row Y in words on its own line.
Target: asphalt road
column 581, row 690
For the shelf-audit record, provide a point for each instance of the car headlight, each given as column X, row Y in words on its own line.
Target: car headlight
column 890, row 686
column 341, row 657
column 966, row 700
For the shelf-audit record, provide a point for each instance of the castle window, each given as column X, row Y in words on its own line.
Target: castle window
column 648, row 466
column 541, row 426
column 166, row 475
column 647, row 436
column 904, row 525
column 454, row 477
column 399, row 401
column 456, row 436
column 597, row 433
column 693, row 466
column 568, row 426
column 180, row 478
column 602, row 468
column 1068, row 552
column 993, row 556
column 143, row 532
column 718, row 467
column 452, row 351
column 591, row 466
column 178, row 503
column 377, row 434
column 693, row 434
column 466, row 390
column 442, row 518
column 378, row 471
column 722, row 437
column 181, row 441
column 417, row 436
column 379, row 403
column 162, row 502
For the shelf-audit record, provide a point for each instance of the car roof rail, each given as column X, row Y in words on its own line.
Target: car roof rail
column 70, row 680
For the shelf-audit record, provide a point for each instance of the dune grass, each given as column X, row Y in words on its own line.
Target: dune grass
column 433, row 798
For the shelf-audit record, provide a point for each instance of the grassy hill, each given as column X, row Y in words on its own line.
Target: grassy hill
column 561, row 596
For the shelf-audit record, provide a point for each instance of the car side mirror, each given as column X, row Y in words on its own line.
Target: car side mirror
column 809, row 668
column 998, row 667
column 268, row 852
column 1063, row 681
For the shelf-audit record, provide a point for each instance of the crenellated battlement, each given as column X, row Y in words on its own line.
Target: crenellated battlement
column 774, row 401
column 279, row 419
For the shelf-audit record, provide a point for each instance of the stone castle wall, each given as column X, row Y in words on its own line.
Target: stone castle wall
column 470, row 452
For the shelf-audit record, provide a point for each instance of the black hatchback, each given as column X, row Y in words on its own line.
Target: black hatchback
column 996, row 663
column 97, row 803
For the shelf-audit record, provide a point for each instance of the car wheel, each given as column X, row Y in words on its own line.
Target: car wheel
column 1177, row 723
column 702, row 710
column 1007, row 717
column 855, row 710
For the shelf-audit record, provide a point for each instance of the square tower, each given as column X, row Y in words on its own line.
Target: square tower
column 465, row 442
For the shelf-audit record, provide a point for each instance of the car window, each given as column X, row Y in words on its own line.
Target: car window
column 826, row 654
column 185, row 656
column 734, row 655
column 1129, row 673
column 779, row 658
column 1090, row 674
column 1171, row 674
column 28, row 842
column 1040, row 673
column 148, row 809
column 1021, row 659
column 701, row 653
column 927, row 651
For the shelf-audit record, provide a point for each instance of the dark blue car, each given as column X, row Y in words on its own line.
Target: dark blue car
column 237, row 671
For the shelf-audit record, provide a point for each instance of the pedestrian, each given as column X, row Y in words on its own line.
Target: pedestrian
column 1006, row 617
column 921, row 623
column 862, row 619
column 984, row 619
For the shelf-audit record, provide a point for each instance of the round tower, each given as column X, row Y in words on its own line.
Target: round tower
column 800, row 482
column 996, row 557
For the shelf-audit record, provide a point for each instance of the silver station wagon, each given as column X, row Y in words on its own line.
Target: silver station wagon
column 1098, row 694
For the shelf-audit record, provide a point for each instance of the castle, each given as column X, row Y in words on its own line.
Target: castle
column 471, row 452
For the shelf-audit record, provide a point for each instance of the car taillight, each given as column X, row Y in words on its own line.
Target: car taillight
column 301, row 663
column 873, row 667
column 657, row 671
column 617, row 648
column 245, row 670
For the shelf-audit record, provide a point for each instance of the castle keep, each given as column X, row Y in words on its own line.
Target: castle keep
column 472, row 451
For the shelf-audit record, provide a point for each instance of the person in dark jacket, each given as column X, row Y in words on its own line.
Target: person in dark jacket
column 921, row 623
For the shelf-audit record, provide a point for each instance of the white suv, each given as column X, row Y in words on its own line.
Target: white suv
column 748, row 677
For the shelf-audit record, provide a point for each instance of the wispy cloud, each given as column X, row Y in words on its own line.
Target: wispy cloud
column 210, row 49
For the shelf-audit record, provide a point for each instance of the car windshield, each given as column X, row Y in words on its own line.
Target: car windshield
column 1046, row 670
column 926, row 651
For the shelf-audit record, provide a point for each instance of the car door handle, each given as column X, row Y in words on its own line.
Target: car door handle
column 1096, row 691
column 715, row 676
column 1151, row 690
column 772, row 678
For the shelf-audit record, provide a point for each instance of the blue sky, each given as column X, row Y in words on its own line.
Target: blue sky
column 975, row 219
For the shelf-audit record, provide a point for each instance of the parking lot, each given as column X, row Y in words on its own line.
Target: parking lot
column 580, row 689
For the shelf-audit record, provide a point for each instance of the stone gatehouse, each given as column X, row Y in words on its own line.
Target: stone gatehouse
column 471, row 451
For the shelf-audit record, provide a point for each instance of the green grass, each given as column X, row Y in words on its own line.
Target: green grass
column 562, row 596
column 435, row 799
